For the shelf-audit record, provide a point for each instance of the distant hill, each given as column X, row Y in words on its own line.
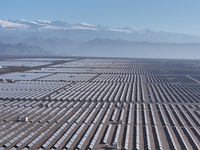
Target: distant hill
column 122, row 48
column 56, row 45
column 109, row 48
column 22, row 49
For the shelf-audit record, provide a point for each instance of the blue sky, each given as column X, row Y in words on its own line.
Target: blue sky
column 180, row 16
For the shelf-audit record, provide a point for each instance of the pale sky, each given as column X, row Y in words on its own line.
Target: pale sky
column 180, row 16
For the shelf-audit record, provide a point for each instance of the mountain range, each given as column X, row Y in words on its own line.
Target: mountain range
column 83, row 39
column 22, row 49
column 122, row 48
column 84, row 32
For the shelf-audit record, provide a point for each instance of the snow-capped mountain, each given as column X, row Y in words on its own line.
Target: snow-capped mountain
column 83, row 32
column 55, row 25
column 12, row 24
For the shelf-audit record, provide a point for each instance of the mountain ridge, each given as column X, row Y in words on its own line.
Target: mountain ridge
column 145, row 49
column 84, row 32
column 22, row 49
column 112, row 48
